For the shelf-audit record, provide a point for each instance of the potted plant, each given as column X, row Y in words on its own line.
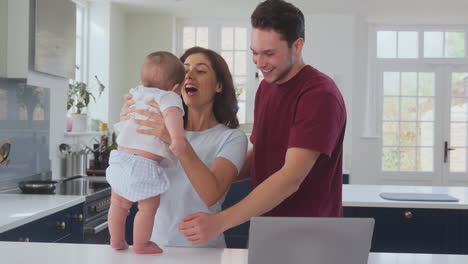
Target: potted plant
column 78, row 97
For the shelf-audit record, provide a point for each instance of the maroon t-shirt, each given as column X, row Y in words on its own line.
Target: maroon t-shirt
column 307, row 112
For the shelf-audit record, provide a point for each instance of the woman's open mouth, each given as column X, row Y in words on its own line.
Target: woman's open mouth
column 190, row 90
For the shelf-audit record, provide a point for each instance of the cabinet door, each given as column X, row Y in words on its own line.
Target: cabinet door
column 56, row 227
column 414, row 230
column 464, row 233
column 237, row 237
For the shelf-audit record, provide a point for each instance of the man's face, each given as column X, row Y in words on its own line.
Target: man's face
column 272, row 55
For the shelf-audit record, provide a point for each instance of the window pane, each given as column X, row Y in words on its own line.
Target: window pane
column 408, row 134
column 454, row 44
column 227, row 40
column 458, row 110
column 241, row 112
column 459, row 84
column 409, row 83
column 390, row 133
column 391, row 108
column 386, row 44
column 458, row 134
column 433, row 44
column 426, row 84
column 241, row 38
column 240, row 82
column 188, row 38
column 425, row 159
column 229, row 57
column 408, row 159
column 202, row 37
column 391, row 83
column 458, row 160
column 240, row 63
column 407, row 44
column 408, row 108
column 390, row 159
column 426, row 134
column 426, row 109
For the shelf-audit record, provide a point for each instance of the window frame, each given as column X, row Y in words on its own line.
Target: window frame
column 376, row 68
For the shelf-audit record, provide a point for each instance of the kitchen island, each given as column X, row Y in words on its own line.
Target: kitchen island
column 16, row 252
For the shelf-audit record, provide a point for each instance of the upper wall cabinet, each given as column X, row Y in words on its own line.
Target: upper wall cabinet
column 14, row 38
column 54, row 37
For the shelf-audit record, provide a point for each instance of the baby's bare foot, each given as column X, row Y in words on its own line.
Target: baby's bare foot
column 119, row 245
column 147, row 248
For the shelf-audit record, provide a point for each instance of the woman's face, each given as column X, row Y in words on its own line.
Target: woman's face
column 200, row 84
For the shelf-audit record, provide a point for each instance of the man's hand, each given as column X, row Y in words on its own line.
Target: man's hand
column 201, row 227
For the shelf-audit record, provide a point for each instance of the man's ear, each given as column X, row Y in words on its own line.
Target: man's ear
column 219, row 88
column 298, row 45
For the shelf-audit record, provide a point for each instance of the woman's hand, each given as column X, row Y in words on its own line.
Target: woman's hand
column 126, row 108
column 155, row 121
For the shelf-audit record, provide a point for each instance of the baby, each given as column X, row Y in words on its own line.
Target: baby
column 135, row 169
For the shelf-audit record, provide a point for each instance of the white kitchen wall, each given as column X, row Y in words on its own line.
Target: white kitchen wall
column 98, row 57
column 4, row 34
column 329, row 47
column 117, row 63
column 145, row 34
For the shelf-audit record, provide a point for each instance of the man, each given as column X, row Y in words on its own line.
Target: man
column 299, row 123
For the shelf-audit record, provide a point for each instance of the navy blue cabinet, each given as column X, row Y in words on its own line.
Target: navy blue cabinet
column 65, row 226
column 410, row 230
column 238, row 236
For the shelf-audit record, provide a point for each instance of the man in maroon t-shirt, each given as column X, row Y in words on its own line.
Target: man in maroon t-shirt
column 299, row 124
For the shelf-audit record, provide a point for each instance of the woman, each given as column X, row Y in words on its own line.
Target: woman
column 215, row 150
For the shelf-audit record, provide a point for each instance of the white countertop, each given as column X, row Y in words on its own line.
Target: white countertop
column 20, row 209
column 58, row 253
column 368, row 196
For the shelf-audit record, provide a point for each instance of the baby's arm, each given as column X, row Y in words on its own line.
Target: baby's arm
column 175, row 126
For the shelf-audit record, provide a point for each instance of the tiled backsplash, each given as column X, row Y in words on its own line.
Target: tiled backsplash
column 25, row 122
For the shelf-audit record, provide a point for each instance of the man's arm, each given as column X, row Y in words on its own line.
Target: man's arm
column 201, row 227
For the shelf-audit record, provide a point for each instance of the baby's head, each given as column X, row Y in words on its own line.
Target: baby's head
column 162, row 70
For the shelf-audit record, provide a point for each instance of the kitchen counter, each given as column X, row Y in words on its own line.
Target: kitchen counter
column 20, row 209
column 355, row 195
column 17, row 252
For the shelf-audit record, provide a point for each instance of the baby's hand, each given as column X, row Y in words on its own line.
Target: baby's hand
column 177, row 146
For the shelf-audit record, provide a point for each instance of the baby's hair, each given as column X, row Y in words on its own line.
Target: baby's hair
column 163, row 70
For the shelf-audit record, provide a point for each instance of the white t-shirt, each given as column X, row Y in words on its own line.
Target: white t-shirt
column 126, row 130
column 181, row 199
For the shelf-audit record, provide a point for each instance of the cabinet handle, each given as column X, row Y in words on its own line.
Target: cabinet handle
column 60, row 225
column 78, row 217
column 408, row 215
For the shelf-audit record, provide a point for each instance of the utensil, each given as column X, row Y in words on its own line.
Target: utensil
column 42, row 187
column 64, row 148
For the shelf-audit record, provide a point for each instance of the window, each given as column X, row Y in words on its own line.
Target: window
column 231, row 42
column 422, row 77
column 234, row 51
column 408, row 121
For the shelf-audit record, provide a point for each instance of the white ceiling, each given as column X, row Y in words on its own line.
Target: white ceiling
column 237, row 8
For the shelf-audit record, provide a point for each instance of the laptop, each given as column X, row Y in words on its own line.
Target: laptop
column 309, row 240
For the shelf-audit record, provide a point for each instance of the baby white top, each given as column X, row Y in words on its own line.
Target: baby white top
column 126, row 130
